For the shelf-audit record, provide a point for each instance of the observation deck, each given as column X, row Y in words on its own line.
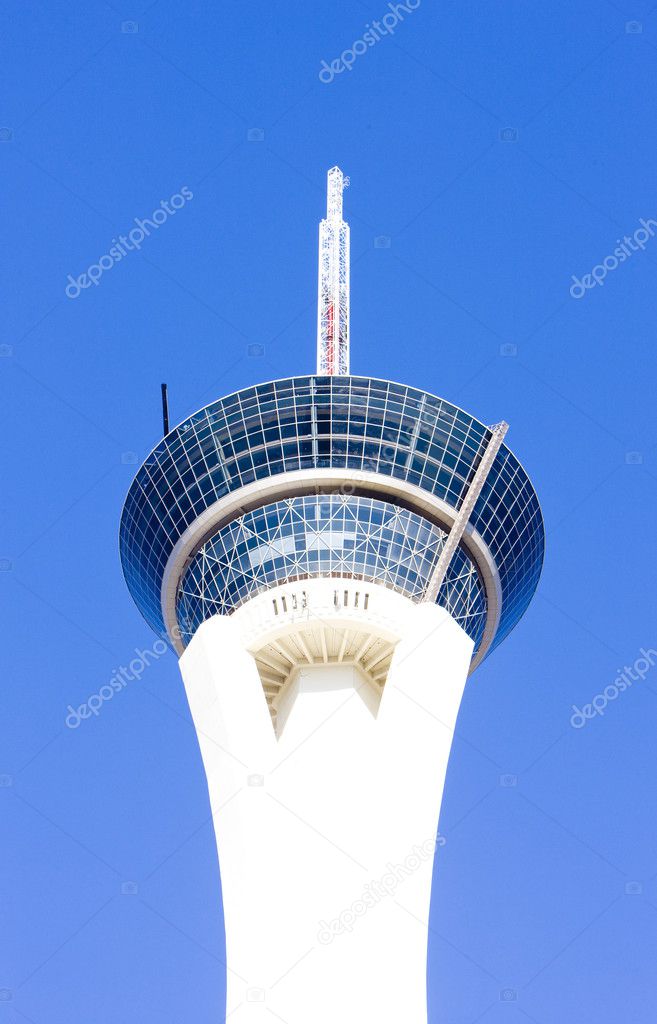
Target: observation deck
column 328, row 476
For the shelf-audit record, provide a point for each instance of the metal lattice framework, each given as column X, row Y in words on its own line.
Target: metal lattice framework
column 333, row 535
column 333, row 283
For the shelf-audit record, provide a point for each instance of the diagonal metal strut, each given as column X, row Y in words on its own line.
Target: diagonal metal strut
column 498, row 433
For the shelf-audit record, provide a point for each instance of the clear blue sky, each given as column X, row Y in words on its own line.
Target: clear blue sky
column 485, row 235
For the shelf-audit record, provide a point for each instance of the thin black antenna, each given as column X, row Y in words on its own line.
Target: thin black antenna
column 165, row 410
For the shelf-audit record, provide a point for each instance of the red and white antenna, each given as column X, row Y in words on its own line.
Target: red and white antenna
column 333, row 284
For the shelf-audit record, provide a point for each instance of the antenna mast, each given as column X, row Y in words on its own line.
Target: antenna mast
column 333, row 283
column 165, row 409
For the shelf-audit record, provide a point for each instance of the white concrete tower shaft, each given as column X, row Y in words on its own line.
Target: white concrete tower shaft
column 333, row 283
column 327, row 822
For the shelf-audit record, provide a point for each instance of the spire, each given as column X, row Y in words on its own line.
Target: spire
column 333, row 283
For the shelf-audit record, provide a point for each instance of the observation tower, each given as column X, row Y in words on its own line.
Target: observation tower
column 331, row 556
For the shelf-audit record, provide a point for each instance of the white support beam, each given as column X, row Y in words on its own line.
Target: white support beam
column 281, row 649
column 322, row 637
column 363, row 648
column 373, row 662
column 343, row 646
column 304, row 647
column 272, row 662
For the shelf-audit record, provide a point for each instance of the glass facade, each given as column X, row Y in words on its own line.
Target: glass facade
column 346, row 423
column 327, row 535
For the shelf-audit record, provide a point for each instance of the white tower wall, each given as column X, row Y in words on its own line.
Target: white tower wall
column 326, row 832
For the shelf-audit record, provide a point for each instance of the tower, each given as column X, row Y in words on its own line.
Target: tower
column 331, row 556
